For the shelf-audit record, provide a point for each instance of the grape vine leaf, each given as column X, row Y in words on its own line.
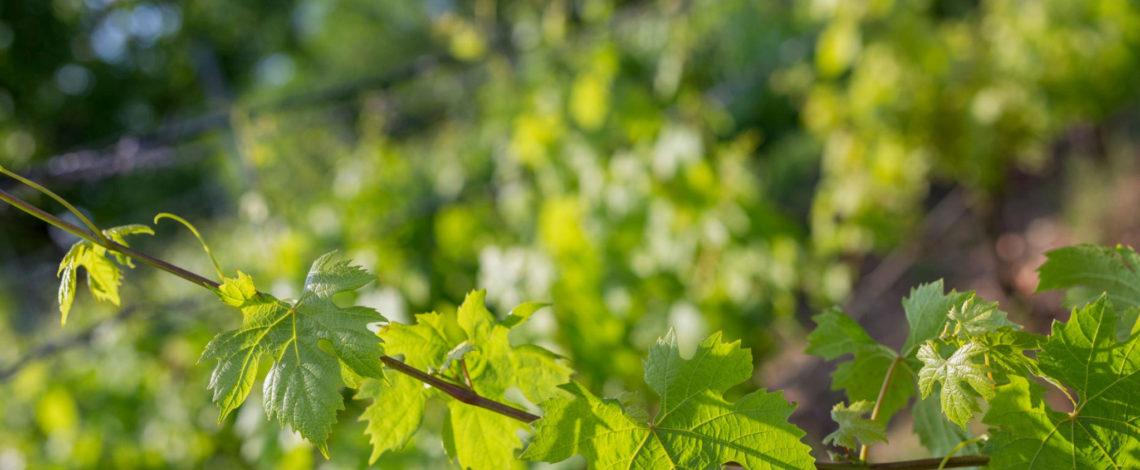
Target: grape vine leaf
column 937, row 433
column 836, row 334
column 954, row 373
column 1103, row 431
column 1005, row 350
column 862, row 377
column 975, row 317
column 302, row 387
column 397, row 413
column 437, row 342
column 103, row 276
column 1088, row 270
column 853, row 427
column 927, row 310
column 695, row 427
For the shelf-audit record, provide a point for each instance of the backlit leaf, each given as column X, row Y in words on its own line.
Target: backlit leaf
column 696, row 428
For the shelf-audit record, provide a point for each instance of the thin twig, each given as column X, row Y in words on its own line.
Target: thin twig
column 466, row 375
column 921, row 464
column 108, row 244
column 34, row 185
column 459, row 393
column 879, row 401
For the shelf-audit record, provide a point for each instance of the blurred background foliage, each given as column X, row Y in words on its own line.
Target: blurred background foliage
column 703, row 165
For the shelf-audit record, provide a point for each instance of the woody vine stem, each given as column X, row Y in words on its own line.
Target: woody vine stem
column 464, row 394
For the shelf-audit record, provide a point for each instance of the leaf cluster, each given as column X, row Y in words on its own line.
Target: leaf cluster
column 959, row 350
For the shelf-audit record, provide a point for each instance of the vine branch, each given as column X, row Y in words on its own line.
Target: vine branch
column 921, row 464
column 466, row 395
column 108, row 244
column 34, row 185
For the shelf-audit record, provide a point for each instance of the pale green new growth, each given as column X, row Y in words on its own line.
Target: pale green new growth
column 302, row 389
column 696, row 427
column 522, row 312
column 119, row 235
column 398, row 408
column 1004, row 348
column 482, row 439
column 974, row 317
column 1103, row 431
column 478, row 438
column 103, row 276
column 954, row 373
column 854, row 429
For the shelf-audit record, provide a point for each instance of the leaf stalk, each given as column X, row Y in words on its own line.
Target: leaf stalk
column 879, row 401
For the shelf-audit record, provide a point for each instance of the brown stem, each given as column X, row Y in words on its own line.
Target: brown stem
column 879, row 401
column 108, row 244
column 44, row 216
column 466, row 376
column 459, row 393
column 53, row 195
column 922, row 464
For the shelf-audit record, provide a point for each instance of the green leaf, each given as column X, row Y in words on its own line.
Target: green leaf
column 1097, row 269
column 66, row 294
column 862, row 377
column 1103, row 431
column 103, row 276
column 398, row 414
column 425, row 344
column 974, row 317
column 836, row 334
column 853, row 427
column 927, row 310
column 302, row 387
column 1026, row 433
column 522, row 312
column 235, row 291
column 954, row 373
column 455, row 355
column 1005, row 349
column 496, row 366
column 695, row 427
column 478, row 438
column 937, row 433
column 1104, row 373
column 119, row 234
column 483, row 438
